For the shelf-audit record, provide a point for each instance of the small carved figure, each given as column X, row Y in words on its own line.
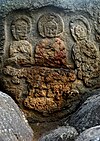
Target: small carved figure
column 51, row 51
column 20, row 51
column 84, row 53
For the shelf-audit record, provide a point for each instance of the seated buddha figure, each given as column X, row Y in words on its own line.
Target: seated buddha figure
column 20, row 50
column 51, row 51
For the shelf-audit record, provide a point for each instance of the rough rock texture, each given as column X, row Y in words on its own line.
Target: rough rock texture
column 64, row 133
column 88, row 114
column 49, row 54
column 13, row 125
column 54, row 55
column 48, row 88
column 91, row 134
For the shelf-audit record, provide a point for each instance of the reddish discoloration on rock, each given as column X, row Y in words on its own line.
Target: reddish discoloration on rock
column 51, row 53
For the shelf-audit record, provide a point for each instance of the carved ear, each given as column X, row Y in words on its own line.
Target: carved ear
column 13, row 31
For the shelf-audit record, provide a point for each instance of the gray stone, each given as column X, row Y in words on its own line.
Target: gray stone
column 49, row 54
column 88, row 114
column 67, row 5
column 91, row 134
column 64, row 133
column 13, row 125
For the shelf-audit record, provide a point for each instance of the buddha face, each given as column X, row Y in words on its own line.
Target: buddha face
column 80, row 32
column 50, row 29
column 21, row 29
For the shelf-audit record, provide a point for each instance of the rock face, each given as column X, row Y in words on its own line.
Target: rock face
column 49, row 54
column 91, row 134
column 88, row 114
column 64, row 133
column 13, row 125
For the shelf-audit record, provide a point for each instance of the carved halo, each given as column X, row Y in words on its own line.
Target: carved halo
column 82, row 21
column 49, row 17
column 23, row 18
column 97, row 23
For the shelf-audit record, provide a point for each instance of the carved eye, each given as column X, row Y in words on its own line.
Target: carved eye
column 80, row 29
column 18, row 28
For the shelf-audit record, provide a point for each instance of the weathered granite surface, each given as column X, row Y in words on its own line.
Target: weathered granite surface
column 91, row 134
column 13, row 124
column 64, row 133
column 49, row 54
column 88, row 115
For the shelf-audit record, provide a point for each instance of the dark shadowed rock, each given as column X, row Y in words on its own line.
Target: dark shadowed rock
column 13, row 125
column 91, row 134
column 88, row 114
column 64, row 133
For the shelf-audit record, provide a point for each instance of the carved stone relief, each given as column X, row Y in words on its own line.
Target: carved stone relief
column 51, row 50
column 53, row 86
column 37, row 72
column 20, row 50
column 50, row 25
column 84, row 52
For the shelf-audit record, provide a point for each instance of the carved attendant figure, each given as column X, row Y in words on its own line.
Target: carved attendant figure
column 84, row 52
column 20, row 52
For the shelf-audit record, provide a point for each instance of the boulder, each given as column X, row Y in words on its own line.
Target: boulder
column 64, row 133
column 91, row 134
column 13, row 125
column 88, row 115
